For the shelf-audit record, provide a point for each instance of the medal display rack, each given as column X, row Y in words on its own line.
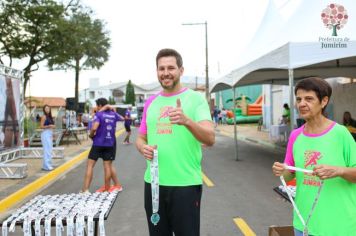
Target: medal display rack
column 280, row 190
column 81, row 214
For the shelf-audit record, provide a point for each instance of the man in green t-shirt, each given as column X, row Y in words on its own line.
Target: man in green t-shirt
column 176, row 122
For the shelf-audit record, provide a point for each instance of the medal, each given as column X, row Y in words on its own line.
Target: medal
column 155, row 218
column 155, row 188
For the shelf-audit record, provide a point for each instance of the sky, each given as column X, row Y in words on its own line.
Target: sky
column 139, row 29
column 238, row 32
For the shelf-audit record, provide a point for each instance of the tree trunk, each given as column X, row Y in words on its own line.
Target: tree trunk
column 26, row 79
column 334, row 30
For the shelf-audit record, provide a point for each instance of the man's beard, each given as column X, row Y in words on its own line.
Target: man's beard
column 170, row 87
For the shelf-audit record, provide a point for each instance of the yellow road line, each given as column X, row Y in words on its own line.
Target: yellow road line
column 207, row 181
column 39, row 183
column 243, row 226
column 31, row 188
column 119, row 132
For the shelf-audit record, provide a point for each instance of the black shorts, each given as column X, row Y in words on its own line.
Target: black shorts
column 106, row 153
column 128, row 128
column 179, row 210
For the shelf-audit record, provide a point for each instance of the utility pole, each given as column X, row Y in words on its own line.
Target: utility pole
column 207, row 94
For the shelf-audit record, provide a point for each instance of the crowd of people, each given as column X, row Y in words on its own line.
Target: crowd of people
column 321, row 154
column 219, row 116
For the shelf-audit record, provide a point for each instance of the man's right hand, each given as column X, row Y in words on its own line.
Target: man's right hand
column 147, row 151
column 278, row 168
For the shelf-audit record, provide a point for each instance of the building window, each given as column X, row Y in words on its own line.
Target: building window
column 92, row 94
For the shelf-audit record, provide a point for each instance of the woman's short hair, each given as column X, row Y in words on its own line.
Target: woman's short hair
column 318, row 85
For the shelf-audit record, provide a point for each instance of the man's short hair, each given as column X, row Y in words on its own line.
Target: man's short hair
column 101, row 102
column 168, row 52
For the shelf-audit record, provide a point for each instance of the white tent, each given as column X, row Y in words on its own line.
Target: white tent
column 291, row 62
column 304, row 59
column 288, row 39
column 305, row 56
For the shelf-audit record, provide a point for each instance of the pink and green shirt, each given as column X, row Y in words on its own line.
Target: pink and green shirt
column 179, row 152
column 335, row 211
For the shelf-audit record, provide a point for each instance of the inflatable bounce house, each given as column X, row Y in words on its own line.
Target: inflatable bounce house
column 246, row 112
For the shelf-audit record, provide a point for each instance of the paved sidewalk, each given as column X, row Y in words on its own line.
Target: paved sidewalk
column 250, row 133
column 72, row 150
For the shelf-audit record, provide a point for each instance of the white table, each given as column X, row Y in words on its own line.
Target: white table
column 279, row 132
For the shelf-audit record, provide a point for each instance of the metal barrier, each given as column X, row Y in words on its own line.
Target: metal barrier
column 13, row 171
column 35, row 138
column 19, row 170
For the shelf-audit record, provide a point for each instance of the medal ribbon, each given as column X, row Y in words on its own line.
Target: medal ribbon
column 305, row 223
column 4, row 228
column 155, row 187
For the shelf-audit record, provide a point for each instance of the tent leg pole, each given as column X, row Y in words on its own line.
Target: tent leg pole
column 235, row 130
column 291, row 98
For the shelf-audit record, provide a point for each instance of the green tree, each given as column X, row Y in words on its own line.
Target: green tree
column 28, row 29
column 130, row 94
column 111, row 100
column 85, row 45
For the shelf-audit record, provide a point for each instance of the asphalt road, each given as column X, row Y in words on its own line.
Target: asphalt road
column 241, row 189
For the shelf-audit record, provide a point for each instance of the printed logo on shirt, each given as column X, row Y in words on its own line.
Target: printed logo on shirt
column 163, row 125
column 310, row 160
column 164, row 112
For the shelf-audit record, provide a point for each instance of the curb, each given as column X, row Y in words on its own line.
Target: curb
column 252, row 140
column 44, row 181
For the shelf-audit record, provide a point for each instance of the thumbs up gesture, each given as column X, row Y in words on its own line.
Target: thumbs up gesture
column 176, row 115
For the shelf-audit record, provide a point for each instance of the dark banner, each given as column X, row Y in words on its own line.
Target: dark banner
column 9, row 112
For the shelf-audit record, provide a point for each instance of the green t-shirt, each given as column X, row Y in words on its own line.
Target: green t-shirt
column 286, row 113
column 335, row 211
column 179, row 152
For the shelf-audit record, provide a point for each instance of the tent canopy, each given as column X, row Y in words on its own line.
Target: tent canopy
column 305, row 58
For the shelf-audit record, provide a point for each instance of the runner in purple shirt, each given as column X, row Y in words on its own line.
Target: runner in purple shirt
column 128, row 122
column 104, row 146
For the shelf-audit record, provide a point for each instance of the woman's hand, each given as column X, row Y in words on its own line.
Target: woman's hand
column 327, row 172
column 278, row 168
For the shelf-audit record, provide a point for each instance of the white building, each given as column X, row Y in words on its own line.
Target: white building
column 117, row 90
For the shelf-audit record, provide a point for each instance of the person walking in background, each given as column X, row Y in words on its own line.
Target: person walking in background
column 47, row 124
column 104, row 146
column 223, row 116
column 176, row 122
column 127, row 125
column 216, row 116
column 327, row 150
column 286, row 114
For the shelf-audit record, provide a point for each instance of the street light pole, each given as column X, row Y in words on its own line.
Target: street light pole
column 207, row 94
